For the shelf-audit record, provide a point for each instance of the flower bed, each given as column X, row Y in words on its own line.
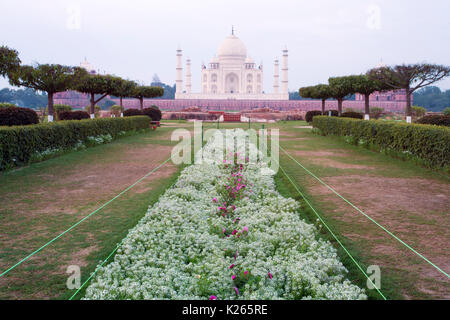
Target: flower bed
column 224, row 232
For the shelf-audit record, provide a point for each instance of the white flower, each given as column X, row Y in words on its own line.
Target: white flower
column 178, row 250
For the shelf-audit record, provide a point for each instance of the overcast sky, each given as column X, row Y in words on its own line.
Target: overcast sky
column 136, row 39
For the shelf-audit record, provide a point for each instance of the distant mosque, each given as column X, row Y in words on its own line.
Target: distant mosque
column 232, row 75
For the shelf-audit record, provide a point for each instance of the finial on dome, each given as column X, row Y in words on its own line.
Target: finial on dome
column 232, row 30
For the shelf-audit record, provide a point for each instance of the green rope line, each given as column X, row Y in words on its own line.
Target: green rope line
column 107, row 258
column 98, row 268
column 359, row 210
column 332, row 233
column 76, row 224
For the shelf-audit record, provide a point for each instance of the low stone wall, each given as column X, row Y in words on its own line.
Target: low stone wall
column 247, row 105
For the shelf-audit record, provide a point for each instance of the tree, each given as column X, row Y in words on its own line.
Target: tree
column 9, row 61
column 51, row 78
column 142, row 92
column 102, row 85
column 320, row 91
column 430, row 97
column 409, row 77
column 124, row 89
column 340, row 87
column 26, row 97
column 366, row 86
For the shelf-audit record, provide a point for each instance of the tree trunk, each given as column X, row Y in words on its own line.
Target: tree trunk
column 323, row 106
column 408, row 106
column 408, row 103
column 121, row 106
column 141, row 100
column 92, row 106
column 340, row 107
column 366, row 106
column 50, row 107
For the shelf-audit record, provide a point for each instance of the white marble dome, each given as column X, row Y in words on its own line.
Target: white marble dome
column 232, row 46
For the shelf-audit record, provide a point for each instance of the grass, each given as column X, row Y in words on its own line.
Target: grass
column 29, row 218
column 35, row 208
column 403, row 273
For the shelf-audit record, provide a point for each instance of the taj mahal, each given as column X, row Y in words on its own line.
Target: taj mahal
column 232, row 75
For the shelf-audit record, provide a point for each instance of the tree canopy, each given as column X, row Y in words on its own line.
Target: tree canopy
column 341, row 87
column 9, row 61
column 320, row 91
column 142, row 92
column 409, row 77
column 50, row 78
column 432, row 98
column 26, row 97
column 102, row 85
column 366, row 86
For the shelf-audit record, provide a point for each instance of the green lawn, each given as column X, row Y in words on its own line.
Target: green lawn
column 410, row 201
column 44, row 199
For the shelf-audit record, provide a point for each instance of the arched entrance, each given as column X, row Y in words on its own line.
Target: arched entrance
column 231, row 83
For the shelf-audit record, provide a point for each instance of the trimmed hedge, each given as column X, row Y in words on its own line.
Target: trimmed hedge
column 435, row 119
column 132, row 112
column 429, row 143
column 310, row 114
column 14, row 116
column 352, row 114
column 18, row 144
column 153, row 113
column 73, row 115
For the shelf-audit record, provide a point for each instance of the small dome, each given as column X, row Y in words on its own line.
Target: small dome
column 232, row 46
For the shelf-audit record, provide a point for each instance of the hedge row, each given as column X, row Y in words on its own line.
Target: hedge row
column 18, row 144
column 334, row 113
column 15, row 116
column 73, row 115
column 429, row 143
column 435, row 119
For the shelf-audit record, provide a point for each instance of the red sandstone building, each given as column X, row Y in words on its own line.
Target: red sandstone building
column 396, row 96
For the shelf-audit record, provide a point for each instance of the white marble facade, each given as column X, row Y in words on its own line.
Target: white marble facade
column 232, row 75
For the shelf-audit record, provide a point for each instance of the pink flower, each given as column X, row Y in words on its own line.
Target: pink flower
column 270, row 275
column 223, row 230
column 234, row 232
column 212, row 298
column 245, row 273
column 215, row 199
column 237, row 290
column 245, row 229
column 232, row 266
column 233, row 277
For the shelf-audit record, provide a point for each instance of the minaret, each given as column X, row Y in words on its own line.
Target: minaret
column 276, row 76
column 188, row 75
column 284, row 72
column 179, row 78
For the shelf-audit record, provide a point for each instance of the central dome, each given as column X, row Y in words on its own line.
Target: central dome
column 232, row 46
